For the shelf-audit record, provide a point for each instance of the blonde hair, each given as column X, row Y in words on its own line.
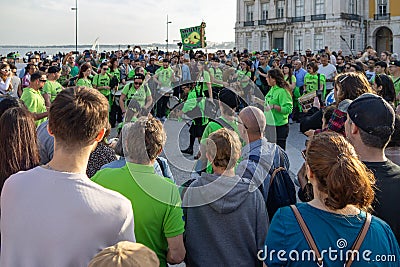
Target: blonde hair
column 224, row 146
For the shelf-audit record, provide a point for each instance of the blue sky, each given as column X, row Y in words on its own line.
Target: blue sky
column 52, row 22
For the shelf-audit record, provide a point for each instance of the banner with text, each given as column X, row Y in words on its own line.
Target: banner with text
column 194, row 37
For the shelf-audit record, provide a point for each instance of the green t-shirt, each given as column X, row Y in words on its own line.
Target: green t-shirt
column 102, row 80
column 155, row 201
column 74, row 70
column 281, row 97
column 34, row 101
column 63, row 80
column 84, row 82
column 132, row 73
column 242, row 77
column 311, row 83
column 52, row 88
column 217, row 74
column 202, row 81
column 164, row 76
column 116, row 73
column 195, row 98
column 396, row 82
column 139, row 95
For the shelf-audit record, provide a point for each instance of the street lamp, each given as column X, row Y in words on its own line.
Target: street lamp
column 76, row 24
column 168, row 22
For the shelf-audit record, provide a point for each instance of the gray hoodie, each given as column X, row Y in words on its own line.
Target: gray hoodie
column 226, row 224
column 269, row 157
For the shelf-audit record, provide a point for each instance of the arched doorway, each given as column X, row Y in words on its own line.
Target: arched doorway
column 384, row 39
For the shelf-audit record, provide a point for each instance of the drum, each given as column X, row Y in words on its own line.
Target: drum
column 173, row 101
column 165, row 90
column 306, row 101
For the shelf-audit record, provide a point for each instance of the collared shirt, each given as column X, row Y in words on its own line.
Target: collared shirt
column 300, row 73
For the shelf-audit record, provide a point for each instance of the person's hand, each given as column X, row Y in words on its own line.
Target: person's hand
column 316, row 103
column 107, row 87
column 310, row 133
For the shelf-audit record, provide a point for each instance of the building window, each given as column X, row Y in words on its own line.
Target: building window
column 298, row 43
column 352, row 41
column 264, row 11
column 353, row 6
column 280, row 9
column 318, row 42
column 382, row 7
column 249, row 41
column 319, row 7
column 249, row 12
column 299, row 8
column 263, row 43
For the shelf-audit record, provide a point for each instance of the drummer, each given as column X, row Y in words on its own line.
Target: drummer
column 136, row 90
column 164, row 77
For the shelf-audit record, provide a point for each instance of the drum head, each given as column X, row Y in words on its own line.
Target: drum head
column 172, row 102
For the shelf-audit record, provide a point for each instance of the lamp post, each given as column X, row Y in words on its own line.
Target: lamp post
column 168, row 22
column 76, row 24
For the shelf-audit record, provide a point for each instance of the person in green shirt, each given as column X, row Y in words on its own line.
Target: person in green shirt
column 33, row 99
column 156, row 203
column 138, row 91
column 216, row 76
column 228, row 104
column 204, row 80
column 164, row 77
column 83, row 76
column 311, row 80
column 101, row 81
column 194, row 107
column 69, row 60
column 394, row 69
column 52, row 87
column 278, row 105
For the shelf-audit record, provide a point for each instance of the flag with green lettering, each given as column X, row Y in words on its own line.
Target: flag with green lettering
column 193, row 37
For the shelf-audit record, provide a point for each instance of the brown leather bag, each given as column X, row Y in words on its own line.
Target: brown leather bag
column 310, row 240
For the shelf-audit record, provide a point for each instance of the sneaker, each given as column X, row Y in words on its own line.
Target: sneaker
column 188, row 150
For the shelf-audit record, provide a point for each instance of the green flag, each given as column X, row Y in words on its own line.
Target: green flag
column 193, row 37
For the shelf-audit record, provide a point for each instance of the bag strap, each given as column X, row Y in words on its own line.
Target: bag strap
column 360, row 238
column 307, row 234
column 357, row 243
column 161, row 166
column 396, row 81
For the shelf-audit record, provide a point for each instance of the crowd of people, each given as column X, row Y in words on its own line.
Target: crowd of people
column 70, row 196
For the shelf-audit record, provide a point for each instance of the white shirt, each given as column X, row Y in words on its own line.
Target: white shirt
column 51, row 218
column 329, row 71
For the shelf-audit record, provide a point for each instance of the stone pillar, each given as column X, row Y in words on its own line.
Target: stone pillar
column 396, row 43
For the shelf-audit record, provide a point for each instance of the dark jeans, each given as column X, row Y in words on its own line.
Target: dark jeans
column 115, row 115
column 277, row 134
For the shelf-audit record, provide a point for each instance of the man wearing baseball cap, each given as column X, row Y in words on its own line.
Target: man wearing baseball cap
column 394, row 69
column 369, row 126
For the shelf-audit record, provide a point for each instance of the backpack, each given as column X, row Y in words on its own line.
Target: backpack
column 281, row 190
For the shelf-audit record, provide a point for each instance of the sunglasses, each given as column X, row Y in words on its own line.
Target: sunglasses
column 138, row 83
column 42, row 80
column 6, row 70
column 105, row 68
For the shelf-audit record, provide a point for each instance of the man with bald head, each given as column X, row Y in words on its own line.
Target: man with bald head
column 259, row 155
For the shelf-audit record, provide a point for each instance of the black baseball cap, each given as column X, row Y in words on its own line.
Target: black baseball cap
column 372, row 114
column 395, row 63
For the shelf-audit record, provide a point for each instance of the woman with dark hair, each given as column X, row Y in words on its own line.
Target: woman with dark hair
column 289, row 77
column 343, row 193
column 29, row 70
column 313, row 81
column 5, row 79
column 277, row 107
column 83, row 76
column 19, row 149
column 349, row 85
column 383, row 86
